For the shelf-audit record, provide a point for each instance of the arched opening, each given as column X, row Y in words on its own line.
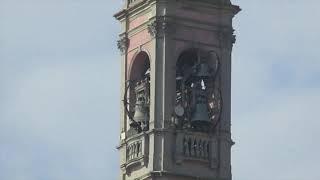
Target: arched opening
column 196, row 104
column 139, row 67
column 138, row 94
column 184, row 65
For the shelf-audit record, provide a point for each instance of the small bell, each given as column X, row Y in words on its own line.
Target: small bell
column 140, row 109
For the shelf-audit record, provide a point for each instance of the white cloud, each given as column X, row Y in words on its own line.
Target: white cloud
column 279, row 137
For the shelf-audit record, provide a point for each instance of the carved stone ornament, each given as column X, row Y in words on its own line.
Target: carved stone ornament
column 159, row 27
column 227, row 38
column 123, row 44
column 152, row 28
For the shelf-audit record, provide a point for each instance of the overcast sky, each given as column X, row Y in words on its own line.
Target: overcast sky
column 60, row 81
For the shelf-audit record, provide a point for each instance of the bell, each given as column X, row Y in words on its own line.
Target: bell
column 140, row 110
column 200, row 115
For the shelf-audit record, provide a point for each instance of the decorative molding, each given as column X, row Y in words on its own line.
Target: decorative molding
column 227, row 38
column 123, row 44
column 198, row 147
column 233, row 39
column 160, row 27
column 136, row 153
column 134, row 8
column 152, row 28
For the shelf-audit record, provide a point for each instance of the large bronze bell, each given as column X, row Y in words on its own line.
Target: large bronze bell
column 200, row 115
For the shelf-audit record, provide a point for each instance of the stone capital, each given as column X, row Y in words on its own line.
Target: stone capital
column 160, row 27
column 123, row 44
column 227, row 38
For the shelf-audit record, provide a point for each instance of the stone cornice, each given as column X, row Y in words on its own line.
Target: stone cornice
column 209, row 4
column 147, row 133
column 204, row 4
column 152, row 24
column 136, row 8
column 174, row 174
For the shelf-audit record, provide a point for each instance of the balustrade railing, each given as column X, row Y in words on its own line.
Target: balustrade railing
column 195, row 146
column 134, row 150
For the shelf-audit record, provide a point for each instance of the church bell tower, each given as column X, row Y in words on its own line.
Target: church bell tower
column 176, row 89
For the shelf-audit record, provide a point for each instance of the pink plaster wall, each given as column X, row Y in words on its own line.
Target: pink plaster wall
column 136, row 41
column 137, row 22
column 139, row 39
column 130, row 57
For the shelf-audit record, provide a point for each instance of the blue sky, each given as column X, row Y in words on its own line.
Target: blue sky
column 59, row 95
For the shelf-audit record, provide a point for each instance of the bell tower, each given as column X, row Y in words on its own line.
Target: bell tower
column 176, row 89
